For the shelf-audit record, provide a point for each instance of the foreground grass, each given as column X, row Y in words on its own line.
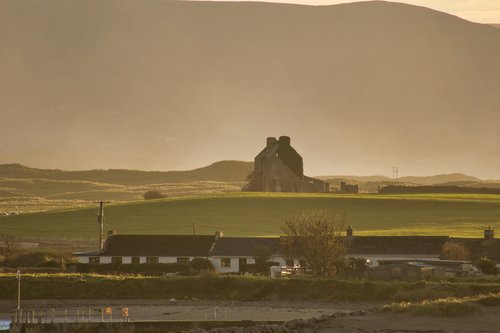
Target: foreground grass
column 447, row 307
column 210, row 286
column 262, row 214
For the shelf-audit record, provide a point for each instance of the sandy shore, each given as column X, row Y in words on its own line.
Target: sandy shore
column 193, row 309
column 488, row 320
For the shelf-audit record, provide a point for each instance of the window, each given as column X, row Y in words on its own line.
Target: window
column 116, row 260
column 136, row 260
column 152, row 260
column 225, row 262
column 94, row 260
column 182, row 260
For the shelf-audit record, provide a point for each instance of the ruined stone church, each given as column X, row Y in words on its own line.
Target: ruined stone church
column 279, row 168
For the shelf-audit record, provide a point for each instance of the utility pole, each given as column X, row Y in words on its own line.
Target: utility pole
column 18, row 292
column 395, row 172
column 100, row 221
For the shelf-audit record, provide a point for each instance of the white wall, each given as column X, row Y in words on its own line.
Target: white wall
column 280, row 260
column 126, row 260
column 105, row 260
column 165, row 260
column 83, row 260
column 216, row 262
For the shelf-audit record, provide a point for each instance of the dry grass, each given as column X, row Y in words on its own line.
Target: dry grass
column 447, row 307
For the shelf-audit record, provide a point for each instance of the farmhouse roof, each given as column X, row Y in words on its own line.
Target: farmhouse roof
column 396, row 244
column 480, row 247
column 243, row 246
column 87, row 254
column 158, row 245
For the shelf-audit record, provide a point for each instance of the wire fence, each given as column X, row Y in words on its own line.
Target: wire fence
column 104, row 314
column 70, row 315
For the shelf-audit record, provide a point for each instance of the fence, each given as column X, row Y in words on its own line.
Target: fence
column 71, row 315
column 96, row 315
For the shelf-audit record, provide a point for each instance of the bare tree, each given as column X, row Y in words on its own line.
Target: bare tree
column 316, row 236
column 454, row 251
column 8, row 246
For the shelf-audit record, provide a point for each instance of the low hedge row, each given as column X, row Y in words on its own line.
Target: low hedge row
column 212, row 286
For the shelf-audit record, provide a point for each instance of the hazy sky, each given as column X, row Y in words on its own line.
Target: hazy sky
column 167, row 85
column 483, row 11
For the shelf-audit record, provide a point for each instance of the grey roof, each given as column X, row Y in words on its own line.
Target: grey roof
column 158, row 245
column 396, row 244
column 86, row 254
column 244, row 246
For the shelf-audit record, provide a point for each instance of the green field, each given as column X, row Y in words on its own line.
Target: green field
column 262, row 214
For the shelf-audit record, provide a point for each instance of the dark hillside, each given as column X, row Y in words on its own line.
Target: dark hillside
column 224, row 171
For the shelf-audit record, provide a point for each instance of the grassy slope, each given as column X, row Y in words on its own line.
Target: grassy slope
column 262, row 214
column 224, row 171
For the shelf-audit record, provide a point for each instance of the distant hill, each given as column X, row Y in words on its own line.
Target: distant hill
column 223, row 171
column 372, row 183
column 437, row 179
column 399, row 189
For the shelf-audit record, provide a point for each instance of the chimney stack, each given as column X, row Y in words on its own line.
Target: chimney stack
column 271, row 141
column 348, row 232
column 489, row 233
column 285, row 140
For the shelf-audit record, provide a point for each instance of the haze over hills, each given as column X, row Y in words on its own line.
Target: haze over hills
column 166, row 85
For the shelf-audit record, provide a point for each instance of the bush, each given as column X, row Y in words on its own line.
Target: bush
column 36, row 259
column 487, row 266
column 151, row 195
column 351, row 267
column 201, row 264
column 454, row 251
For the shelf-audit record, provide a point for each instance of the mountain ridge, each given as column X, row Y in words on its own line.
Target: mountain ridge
column 229, row 171
column 226, row 171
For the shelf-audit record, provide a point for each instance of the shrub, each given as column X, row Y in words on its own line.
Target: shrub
column 487, row 266
column 36, row 259
column 201, row 264
column 150, row 195
column 351, row 267
column 454, row 251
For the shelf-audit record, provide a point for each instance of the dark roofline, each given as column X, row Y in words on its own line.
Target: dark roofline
column 159, row 245
column 87, row 253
